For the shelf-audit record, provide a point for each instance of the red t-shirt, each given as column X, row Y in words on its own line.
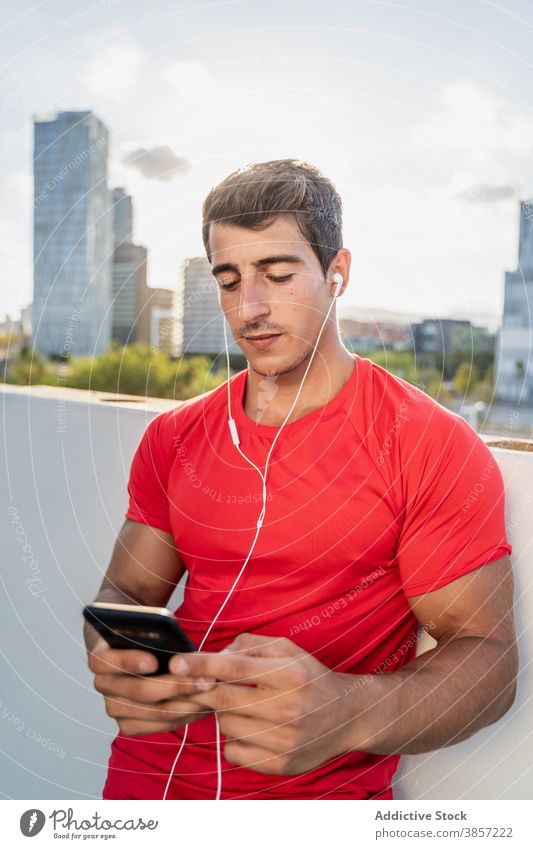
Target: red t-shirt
column 379, row 495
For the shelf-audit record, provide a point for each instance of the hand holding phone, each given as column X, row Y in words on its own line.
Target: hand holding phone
column 144, row 699
column 137, row 626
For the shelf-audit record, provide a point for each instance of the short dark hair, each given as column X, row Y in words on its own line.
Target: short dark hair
column 257, row 194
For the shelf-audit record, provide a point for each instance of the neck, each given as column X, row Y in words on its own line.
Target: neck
column 269, row 397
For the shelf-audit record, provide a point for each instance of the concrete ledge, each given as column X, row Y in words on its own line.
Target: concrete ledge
column 509, row 444
column 88, row 396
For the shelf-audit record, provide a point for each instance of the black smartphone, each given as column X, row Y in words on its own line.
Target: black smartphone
column 136, row 626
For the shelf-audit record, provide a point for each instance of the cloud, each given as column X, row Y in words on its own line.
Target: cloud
column 478, row 142
column 474, row 119
column 157, row 163
column 114, row 71
column 190, row 80
column 486, row 193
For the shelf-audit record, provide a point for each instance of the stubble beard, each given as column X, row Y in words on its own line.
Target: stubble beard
column 274, row 371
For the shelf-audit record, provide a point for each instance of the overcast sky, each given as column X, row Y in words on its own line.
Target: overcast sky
column 420, row 112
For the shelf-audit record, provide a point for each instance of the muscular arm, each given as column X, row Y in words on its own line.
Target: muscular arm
column 144, row 569
column 300, row 713
column 466, row 682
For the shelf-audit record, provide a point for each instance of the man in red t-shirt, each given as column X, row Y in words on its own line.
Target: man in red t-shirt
column 383, row 512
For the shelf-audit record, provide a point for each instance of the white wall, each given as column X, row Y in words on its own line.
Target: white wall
column 497, row 762
column 64, row 466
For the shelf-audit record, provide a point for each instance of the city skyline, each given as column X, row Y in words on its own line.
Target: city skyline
column 422, row 121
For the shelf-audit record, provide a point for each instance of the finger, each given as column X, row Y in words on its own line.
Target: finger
column 261, row 645
column 100, row 646
column 134, row 661
column 149, row 689
column 253, row 757
column 274, row 737
column 167, row 711
column 265, row 671
column 257, row 702
column 139, row 727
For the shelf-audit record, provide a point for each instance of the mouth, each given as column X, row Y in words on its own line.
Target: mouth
column 262, row 340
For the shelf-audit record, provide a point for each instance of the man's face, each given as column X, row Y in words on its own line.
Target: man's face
column 270, row 282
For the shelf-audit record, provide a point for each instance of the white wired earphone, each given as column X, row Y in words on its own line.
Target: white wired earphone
column 339, row 280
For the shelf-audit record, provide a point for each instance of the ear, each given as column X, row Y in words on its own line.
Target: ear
column 340, row 265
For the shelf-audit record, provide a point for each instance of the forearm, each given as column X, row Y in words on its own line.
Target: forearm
column 442, row 697
column 111, row 594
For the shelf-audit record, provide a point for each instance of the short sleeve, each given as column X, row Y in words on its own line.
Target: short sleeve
column 454, row 515
column 148, row 480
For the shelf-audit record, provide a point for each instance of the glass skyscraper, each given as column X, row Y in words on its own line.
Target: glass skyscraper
column 73, row 235
column 514, row 349
column 122, row 217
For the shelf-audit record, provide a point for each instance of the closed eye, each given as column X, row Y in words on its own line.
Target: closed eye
column 280, row 279
column 284, row 279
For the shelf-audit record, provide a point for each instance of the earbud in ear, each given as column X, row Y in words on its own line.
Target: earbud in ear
column 339, row 280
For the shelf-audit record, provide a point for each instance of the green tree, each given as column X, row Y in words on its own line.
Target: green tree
column 484, row 390
column 29, row 368
column 466, row 378
column 139, row 369
column 419, row 372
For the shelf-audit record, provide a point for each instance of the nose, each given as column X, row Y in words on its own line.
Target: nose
column 251, row 306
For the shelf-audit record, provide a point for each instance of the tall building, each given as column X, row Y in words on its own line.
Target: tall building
column 72, row 235
column 130, row 293
column 25, row 320
column 122, row 217
column 164, row 326
column 513, row 365
column 129, row 289
column 203, row 331
column 140, row 313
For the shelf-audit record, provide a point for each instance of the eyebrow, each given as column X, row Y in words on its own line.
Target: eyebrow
column 261, row 263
